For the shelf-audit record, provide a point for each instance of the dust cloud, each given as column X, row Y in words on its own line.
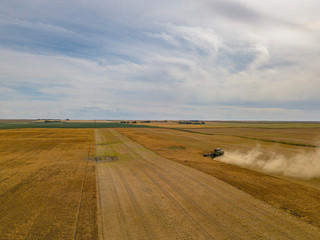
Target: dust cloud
column 304, row 165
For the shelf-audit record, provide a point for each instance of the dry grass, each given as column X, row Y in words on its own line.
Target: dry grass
column 16, row 121
column 309, row 136
column 187, row 148
column 43, row 174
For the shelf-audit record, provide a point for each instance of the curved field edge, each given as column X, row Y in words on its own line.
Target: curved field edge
column 47, row 184
column 300, row 201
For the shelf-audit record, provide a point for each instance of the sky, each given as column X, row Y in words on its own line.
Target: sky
column 143, row 59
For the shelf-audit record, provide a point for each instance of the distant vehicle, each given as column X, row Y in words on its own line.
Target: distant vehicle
column 217, row 152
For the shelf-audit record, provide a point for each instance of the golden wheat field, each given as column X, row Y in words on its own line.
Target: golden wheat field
column 47, row 186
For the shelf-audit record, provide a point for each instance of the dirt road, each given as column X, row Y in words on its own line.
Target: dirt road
column 145, row 196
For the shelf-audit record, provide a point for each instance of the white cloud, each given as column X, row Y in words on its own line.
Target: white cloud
column 40, row 26
column 164, row 36
column 204, row 38
column 200, row 59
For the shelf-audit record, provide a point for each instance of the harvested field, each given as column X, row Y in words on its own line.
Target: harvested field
column 47, row 186
column 234, row 124
column 300, row 200
column 307, row 136
column 146, row 196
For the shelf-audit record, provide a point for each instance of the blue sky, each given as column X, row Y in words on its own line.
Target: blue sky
column 210, row 60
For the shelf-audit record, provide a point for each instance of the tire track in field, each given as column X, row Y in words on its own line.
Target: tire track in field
column 105, row 181
column 139, row 215
column 166, row 192
column 100, row 217
column 160, row 177
column 136, row 205
column 120, row 215
column 139, row 211
column 169, row 196
column 208, row 218
column 168, row 223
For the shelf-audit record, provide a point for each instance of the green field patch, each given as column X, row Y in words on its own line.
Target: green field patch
column 8, row 125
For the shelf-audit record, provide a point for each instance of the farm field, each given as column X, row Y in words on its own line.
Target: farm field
column 143, row 195
column 124, row 182
column 301, row 200
column 47, row 186
column 18, row 124
column 303, row 136
column 233, row 124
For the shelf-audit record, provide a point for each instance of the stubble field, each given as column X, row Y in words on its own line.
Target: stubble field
column 143, row 195
column 299, row 196
column 47, row 187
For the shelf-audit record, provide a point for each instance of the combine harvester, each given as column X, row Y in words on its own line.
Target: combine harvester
column 217, row 152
